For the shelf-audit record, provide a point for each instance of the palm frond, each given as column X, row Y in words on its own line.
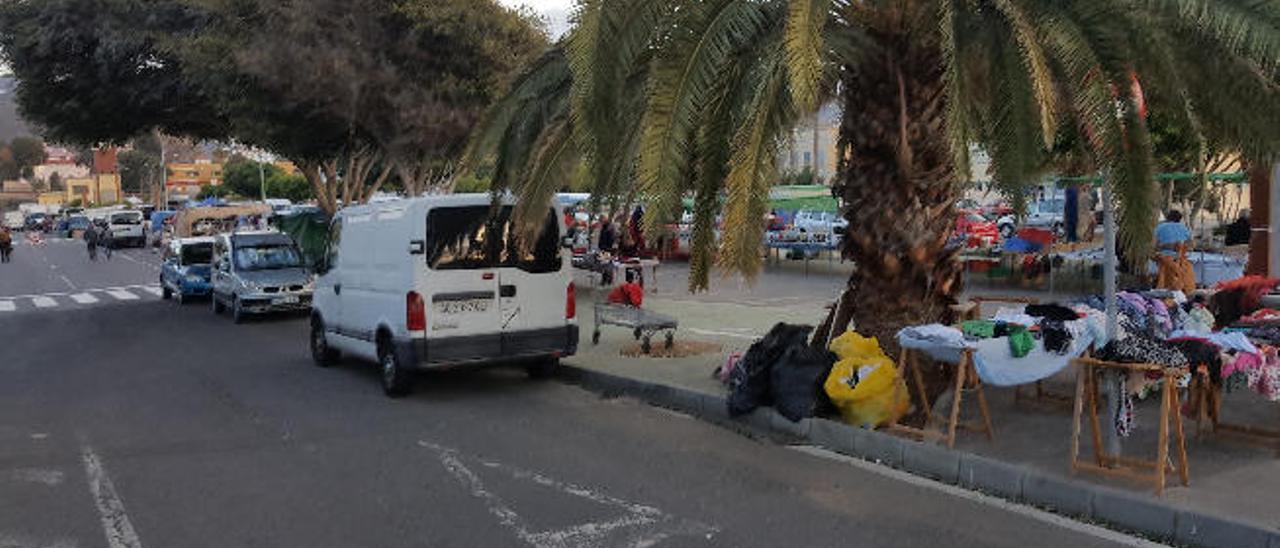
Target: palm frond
column 1042, row 79
column 806, row 63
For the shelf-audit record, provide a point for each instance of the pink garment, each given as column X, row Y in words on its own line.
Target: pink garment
column 1244, row 361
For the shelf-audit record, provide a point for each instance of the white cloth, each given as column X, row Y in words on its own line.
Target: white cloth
column 997, row 366
column 1016, row 316
column 1231, row 341
column 940, row 342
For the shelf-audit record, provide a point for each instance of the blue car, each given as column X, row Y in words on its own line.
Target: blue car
column 186, row 270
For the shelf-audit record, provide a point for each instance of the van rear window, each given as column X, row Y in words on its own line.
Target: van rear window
column 469, row 238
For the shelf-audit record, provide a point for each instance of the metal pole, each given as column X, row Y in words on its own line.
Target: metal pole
column 1273, row 242
column 1112, row 386
column 262, row 180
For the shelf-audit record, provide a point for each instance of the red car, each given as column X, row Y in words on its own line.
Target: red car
column 976, row 230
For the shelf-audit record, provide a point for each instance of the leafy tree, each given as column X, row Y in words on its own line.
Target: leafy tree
column 213, row 191
column 241, row 176
column 919, row 82
column 9, row 169
column 291, row 187
column 28, row 152
column 138, row 170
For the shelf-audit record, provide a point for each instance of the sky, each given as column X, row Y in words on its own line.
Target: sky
column 556, row 12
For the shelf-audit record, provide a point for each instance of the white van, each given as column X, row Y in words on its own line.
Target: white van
column 127, row 228
column 442, row 280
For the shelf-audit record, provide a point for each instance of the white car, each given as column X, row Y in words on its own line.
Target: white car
column 438, row 281
column 1047, row 214
column 126, row 228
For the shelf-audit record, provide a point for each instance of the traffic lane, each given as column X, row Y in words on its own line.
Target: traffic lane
column 62, row 266
column 226, row 435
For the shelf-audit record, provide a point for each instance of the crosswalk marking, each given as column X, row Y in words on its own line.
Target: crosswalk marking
column 151, row 289
column 84, row 298
column 7, row 306
column 44, row 302
column 122, row 295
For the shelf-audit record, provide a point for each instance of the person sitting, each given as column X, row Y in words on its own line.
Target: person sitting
column 630, row 293
column 1240, row 232
column 1173, row 238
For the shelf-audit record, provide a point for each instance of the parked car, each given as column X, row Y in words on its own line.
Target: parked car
column 77, row 225
column 439, row 281
column 126, row 229
column 187, row 269
column 975, row 230
column 1046, row 214
column 14, row 220
column 259, row 273
column 35, row 221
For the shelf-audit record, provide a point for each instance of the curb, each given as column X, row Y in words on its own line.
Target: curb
column 1123, row 510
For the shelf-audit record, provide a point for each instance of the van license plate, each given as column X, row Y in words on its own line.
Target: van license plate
column 292, row 299
column 463, row 307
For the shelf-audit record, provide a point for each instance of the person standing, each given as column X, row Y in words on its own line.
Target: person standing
column 1172, row 241
column 6, row 244
column 91, row 241
column 1241, row 231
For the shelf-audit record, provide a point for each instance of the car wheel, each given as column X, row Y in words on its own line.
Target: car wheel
column 217, row 304
column 1059, row 230
column 395, row 378
column 544, row 368
column 321, row 354
column 238, row 315
column 165, row 292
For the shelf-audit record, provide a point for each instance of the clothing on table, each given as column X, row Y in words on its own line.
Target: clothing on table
column 1057, row 338
column 1020, row 341
column 1141, row 349
column 979, row 329
column 1051, row 312
column 940, row 342
column 1014, row 316
column 1201, row 353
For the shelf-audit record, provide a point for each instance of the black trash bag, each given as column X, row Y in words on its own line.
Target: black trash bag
column 749, row 381
column 796, row 381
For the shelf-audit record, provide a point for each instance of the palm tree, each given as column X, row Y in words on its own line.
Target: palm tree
column 668, row 98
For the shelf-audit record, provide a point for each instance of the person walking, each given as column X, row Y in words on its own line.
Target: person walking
column 104, row 241
column 91, row 241
column 6, row 244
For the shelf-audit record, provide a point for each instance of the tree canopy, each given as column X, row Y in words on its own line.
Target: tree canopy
column 349, row 90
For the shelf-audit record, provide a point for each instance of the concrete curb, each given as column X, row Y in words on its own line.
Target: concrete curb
column 1122, row 510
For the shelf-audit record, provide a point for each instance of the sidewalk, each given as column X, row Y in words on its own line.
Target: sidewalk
column 1229, row 480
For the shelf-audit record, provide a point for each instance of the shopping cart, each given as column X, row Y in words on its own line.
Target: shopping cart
column 643, row 324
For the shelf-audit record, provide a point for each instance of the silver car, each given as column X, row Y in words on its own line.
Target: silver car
column 259, row 273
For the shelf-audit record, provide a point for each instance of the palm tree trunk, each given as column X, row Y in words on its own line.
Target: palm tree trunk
column 897, row 180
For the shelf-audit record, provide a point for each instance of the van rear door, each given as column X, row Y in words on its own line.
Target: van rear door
column 462, row 248
column 533, row 291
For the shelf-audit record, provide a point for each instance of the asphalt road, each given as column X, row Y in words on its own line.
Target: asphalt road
column 136, row 422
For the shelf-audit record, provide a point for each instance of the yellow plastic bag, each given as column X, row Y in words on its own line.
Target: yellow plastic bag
column 880, row 395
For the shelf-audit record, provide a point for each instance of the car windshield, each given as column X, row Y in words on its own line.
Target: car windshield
column 126, row 219
column 267, row 257
column 197, row 254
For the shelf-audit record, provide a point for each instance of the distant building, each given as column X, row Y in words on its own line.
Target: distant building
column 59, row 156
column 105, row 161
column 100, row 189
column 15, row 192
column 187, row 178
column 52, row 198
column 45, row 171
column 797, row 153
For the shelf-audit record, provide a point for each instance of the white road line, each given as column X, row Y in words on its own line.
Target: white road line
column 985, row 500
column 44, row 302
column 115, row 522
column 150, row 289
column 84, row 298
column 50, row 478
column 7, row 306
column 122, row 295
column 143, row 263
column 68, row 282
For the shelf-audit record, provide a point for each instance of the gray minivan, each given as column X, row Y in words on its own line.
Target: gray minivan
column 259, row 273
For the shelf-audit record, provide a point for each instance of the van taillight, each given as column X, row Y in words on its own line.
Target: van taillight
column 571, row 302
column 415, row 312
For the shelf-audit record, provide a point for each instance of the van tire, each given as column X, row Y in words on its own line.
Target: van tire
column 165, row 292
column 217, row 304
column 321, row 353
column 396, row 380
column 543, row 368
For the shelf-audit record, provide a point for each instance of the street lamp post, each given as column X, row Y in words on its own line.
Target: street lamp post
column 262, row 180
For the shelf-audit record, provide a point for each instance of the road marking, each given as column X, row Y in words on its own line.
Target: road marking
column 122, row 295
column 8, row 540
column 986, row 500
column 44, row 302
column 639, row 526
column 115, row 522
column 150, row 289
column 84, row 298
column 143, row 263
column 7, row 306
column 68, row 282
column 37, row 475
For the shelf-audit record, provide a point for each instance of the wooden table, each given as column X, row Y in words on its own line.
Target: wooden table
column 966, row 379
column 1121, row 466
column 1208, row 398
